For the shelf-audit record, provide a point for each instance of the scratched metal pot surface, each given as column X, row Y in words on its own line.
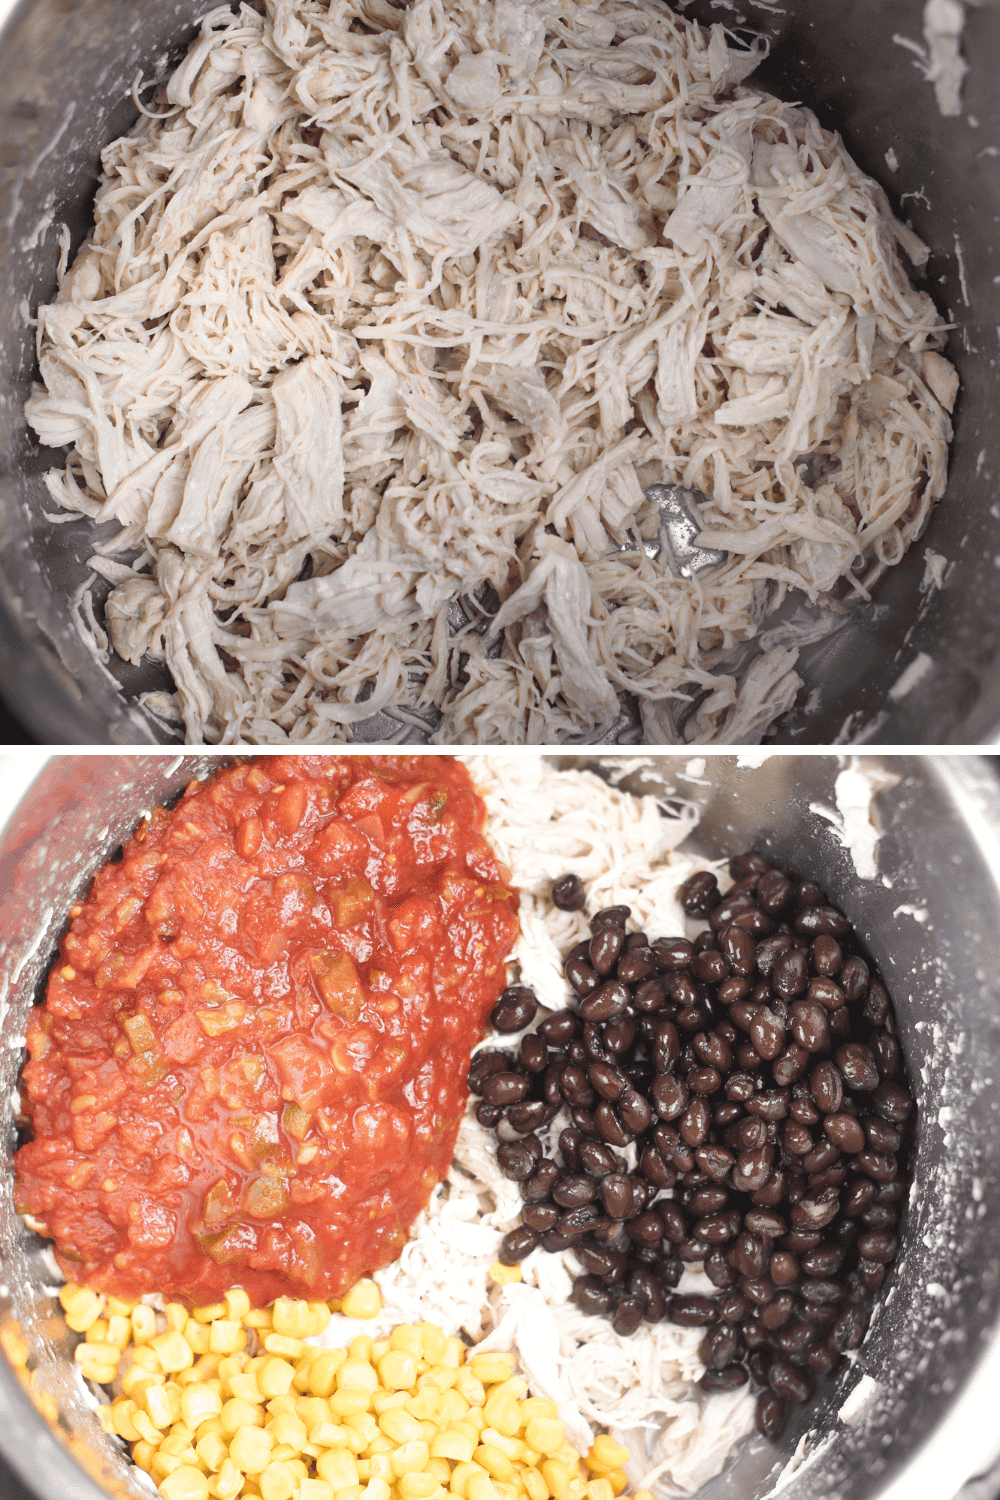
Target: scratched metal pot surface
column 931, row 1361
column 65, row 75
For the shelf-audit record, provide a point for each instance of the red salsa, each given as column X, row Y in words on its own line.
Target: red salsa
column 250, row 1065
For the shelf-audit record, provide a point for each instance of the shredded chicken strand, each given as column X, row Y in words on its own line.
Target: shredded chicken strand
column 390, row 304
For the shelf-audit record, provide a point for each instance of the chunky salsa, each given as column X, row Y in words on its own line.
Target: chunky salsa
column 250, row 1065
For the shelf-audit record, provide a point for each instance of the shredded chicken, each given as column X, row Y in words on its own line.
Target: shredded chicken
column 398, row 306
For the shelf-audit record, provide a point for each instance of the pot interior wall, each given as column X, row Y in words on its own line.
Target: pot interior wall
column 64, row 84
column 928, row 922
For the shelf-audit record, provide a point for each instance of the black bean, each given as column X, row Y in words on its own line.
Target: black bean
column 767, row 1034
column 815, row 1210
column 823, row 1260
column 749, row 1254
column 877, row 1010
column 790, row 973
column 857, row 1065
column 783, row 1268
column 770, row 1414
column 628, row 1315
column 713, row 1050
column 516, row 1245
column 539, row 1184
column 484, row 1065
column 616, row 1195
column 667, row 1047
column 505, row 1088
column 729, row 1379
column 715, row 1161
column 892, row 1102
column 740, row 1087
column 809, row 1026
column 603, row 1004
column 721, row 1345
column 845, row 1132
column 534, row 1054
column 672, row 954
column 655, row 1169
column 699, row 893
column 634, row 1111
column 619, row 1035
column 560, row 1027
column 704, row 1080
column 488, row 1114
column 730, row 907
column 881, row 1135
column 853, row 978
column 591, row 1295
column 637, row 964
column 826, row 1085
column 822, row 1158
column 769, row 1104
column 695, row 1122
column 528, row 1115
column 759, row 1362
column 774, row 891
column 826, row 993
column 719, row 1227
column 540, row 1216
column 610, row 916
column 516, row 1009
column 577, row 1221
column 594, row 1158
column 827, row 956
column 515, row 1161
column 610, row 1082
column 812, row 921
column 693, row 1311
column 584, row 1122
column 738, row 949
column 822, row 1360
column 574, row 1189
column 583, row 978
column 575, row 1088
column 789, row 1381
column 871, row 1273
column 568, row 893
column 887, row 1054
column 610, row 1127
column 849, row 1329
column 649, row 996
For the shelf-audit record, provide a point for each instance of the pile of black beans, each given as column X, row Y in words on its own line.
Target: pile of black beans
column 758, row 1072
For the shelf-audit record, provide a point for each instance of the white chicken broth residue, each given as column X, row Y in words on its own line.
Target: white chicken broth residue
column 396, row 306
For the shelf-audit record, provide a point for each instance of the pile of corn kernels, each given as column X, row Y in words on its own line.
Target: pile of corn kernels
column 228, row 1401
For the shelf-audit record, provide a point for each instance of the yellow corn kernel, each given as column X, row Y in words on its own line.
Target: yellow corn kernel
column 419, row 1486
column 278, row 1482
column 237, row 1302
column 119, row 1330
column 364, row 1300
column 398, row 1370
column 236, row 1414
column 288, row 1429
column 177, row 1316
column 163, row 1403
column 185, row 1483
column 146, row 1429
column 209, row 1313
column 408, row 1339
column 226, row 1336
column 274, row 1376
column 504, row 1275
column 97, row 1332
column 356, row 1375
column 545, row 1435
column 337, row 1467
column 211, row 1450
column 250, row 1449
column 557, row 1477
column 454, row 1354
column 505, row 1414
column 143, row 1454
column 617, row 1480
column 281, row 1404
column 439, row 1378
column 481, row 1487
column 400, row 1426
column 365, row 1425
column 492, row 1368
column 246, row 1388
column 172, row 1350
column 84, row 1314
column 390, row 1401
column 409, row 1458
column 375, row 1489
column 122, row 1412
column 315, row 1489
column 162, row 1464
column 311, row 1409
column 291, row 1318
column 538, row 1406
column 361, row 1347
column 280, row 1343
column 607, row 1453
column 470, row 1386
column 198, row 1336
column 453, row 1406
column 642, row 1495
column 177, row 1441
column 349, row 1403
column 600, row 1489
column 143, row 1321
column 496, row 1464
column 323, row 1371
column 328, row 1434
column 512, row 1446
column 380, row 1466
column 433, row 1343
column 440, row 1468
column 228, row 1482
column 320, row 1316
column 198, row 1403
column 534, row 1485
column 259, row 1317
column 453, row 1444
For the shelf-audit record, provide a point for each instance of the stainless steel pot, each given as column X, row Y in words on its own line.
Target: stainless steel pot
column 65, row 75
column 914, row 1412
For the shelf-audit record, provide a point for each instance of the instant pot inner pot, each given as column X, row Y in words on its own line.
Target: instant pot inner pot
column 65, row 71
column 927, row 921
